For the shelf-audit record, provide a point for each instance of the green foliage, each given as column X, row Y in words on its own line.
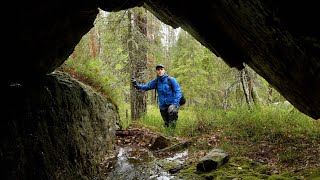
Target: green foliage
column 268, row 124
column 90, row 72
column 153, row 118
column 187, row 124
column 203, row 76
column 258, row 124
column 241, row 124
column 125, row 115
column 242, row 132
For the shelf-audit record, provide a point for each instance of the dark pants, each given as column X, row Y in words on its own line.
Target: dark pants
column 170, row 119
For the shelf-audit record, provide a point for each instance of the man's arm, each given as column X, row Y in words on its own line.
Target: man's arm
column 147, row 87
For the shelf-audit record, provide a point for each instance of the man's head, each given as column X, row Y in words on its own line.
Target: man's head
column 160, row 70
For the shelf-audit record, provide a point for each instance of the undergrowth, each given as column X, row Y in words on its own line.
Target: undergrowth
column 283, row 138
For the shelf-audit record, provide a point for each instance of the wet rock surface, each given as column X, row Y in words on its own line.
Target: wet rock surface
column 137, row 156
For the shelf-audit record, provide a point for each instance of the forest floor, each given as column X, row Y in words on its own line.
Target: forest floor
column 293, row 160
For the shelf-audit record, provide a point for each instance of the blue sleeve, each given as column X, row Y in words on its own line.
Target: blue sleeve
column 149, row 86
column 176, row 90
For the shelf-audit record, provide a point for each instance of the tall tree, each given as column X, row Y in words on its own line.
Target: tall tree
column 137, row 47
column 93, row 47
column 245, row 79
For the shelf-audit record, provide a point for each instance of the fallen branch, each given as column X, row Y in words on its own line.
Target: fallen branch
column 178, row 146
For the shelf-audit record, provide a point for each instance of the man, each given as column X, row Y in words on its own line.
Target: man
column 169, row 94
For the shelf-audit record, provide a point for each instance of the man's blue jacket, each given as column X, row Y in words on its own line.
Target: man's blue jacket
column 166, row 95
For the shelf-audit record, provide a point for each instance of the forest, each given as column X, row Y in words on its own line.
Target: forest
column 237, row 111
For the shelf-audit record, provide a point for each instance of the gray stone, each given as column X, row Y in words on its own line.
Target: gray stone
column 212, row 160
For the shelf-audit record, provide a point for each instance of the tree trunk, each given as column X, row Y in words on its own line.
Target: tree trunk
column 269, row 95
column 93, row 48
column 239, row 94
column 245, row 87
column 138, row 58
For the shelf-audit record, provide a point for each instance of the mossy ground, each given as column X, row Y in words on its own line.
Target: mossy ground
column 248, row 160
column 245, row 168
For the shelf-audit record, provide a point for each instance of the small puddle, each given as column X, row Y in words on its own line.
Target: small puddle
column 139, row 163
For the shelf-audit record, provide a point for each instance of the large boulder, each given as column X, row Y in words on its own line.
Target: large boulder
column 57, row 128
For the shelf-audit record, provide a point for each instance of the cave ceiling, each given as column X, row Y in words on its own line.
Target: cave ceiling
column 280, row 40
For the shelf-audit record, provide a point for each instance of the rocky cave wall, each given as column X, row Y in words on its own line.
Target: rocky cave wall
column 56, row 128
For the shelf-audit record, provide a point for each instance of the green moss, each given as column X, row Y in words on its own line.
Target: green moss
column 243, row 168
column 263, row 169
column 168, row 165
column 310, row 174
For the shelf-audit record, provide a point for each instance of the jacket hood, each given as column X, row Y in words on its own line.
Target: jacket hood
column 161, row 78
